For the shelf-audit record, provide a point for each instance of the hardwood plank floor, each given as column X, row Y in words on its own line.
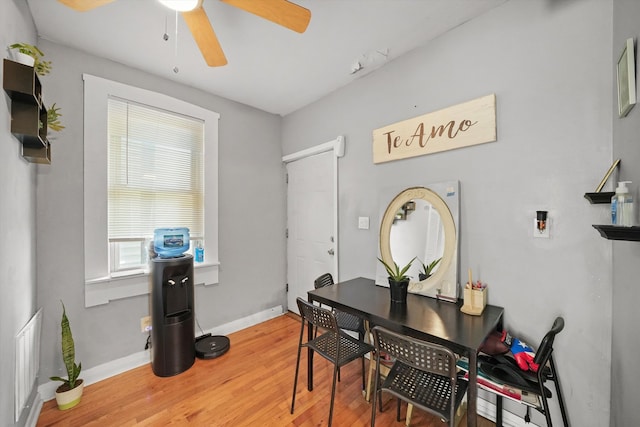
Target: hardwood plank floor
column 250, row 385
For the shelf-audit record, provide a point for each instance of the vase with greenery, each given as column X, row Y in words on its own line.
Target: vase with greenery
column 53, row 118
column 398, row 281
column 69, row 393
column 427, row 269
column 42, row 67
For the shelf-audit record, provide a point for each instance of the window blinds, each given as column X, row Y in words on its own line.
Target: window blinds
column 156, row 176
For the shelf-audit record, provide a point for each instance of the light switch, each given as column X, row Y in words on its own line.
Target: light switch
column 363, row 222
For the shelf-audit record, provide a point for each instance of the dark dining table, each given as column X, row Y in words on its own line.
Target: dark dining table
column 422, row 317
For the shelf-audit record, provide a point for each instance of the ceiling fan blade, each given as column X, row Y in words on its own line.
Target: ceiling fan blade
column 205, row 37
column 281, row 12
column 84, row 5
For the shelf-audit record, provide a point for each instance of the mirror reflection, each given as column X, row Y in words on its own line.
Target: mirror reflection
column 417, row 231
column 422, row 222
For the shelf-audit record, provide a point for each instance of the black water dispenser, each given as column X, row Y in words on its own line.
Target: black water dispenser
column 172, row 315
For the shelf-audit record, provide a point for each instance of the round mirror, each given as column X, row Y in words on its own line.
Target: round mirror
column 418, row 223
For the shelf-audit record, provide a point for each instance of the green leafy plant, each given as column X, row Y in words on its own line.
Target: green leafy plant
column 42, row 67
column 53, row 118
column 427, row 270
column 396, row 273
column 68, row 354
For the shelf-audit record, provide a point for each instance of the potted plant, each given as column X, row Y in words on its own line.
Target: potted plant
column 427, row 270
column 22, row 51
column 53, row 118
column 398, row 281
column 69, row 393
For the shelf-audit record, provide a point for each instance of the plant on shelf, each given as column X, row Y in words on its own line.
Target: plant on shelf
column 53, row 118
column 42, row 67
column 69, row 393
column 398, row 280
column 427, row 270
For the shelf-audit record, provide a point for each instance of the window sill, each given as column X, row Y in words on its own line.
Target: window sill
column 105, row 289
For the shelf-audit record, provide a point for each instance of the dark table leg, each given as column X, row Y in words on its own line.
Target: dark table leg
column 472, row 391
column 310, row 355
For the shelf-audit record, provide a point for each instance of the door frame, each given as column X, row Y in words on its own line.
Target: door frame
column 337, row 146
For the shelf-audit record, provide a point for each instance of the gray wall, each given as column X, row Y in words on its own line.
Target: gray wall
column 17, row 219
column 625, row 387
column 549, row 64
column 251, row 221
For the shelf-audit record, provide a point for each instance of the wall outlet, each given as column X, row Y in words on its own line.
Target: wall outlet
column 145, row 324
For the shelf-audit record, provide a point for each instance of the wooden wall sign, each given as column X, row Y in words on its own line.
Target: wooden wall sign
column 470, row 123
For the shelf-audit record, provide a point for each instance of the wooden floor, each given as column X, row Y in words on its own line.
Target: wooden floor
column 250, row 385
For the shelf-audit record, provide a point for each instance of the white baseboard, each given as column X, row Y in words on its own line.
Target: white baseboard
column 47, row 391
column 34, row 413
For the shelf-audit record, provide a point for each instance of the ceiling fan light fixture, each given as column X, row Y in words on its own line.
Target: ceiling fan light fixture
column 181, row 5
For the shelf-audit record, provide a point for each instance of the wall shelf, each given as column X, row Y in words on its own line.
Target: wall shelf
column 616, row 232
column 40, row 155
column 28, row 113
column 600, row 197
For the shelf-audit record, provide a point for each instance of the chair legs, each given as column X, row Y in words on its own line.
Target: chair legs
column 545, row 403
column 498, row 410
column 361, row 338
column 336, row 375
column 556, row 380
column 295, row 381
column 333, row 393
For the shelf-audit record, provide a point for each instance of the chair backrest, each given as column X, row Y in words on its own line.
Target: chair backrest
column 422, row 355
column 317, row 316
column 546, row 346
column 325, row 280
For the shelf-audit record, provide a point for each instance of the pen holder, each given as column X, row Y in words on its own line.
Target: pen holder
column 474, row 301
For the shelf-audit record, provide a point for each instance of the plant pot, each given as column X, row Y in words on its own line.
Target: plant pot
column 23, row 58
column 422, row 276
column 398, row 291
column 398, row 310
column 66, row 398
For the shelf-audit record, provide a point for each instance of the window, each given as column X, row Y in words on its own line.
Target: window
column 155, row 178
column 144, row 157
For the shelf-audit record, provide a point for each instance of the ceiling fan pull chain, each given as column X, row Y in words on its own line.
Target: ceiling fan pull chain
column 165, row 36
column 175, row 68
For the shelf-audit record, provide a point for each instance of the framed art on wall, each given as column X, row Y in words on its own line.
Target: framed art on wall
column 626, row 79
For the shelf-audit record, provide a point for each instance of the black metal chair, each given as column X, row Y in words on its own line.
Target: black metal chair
column 334, row 345
column 346, row 321
column 504, row 369
column 424, row 374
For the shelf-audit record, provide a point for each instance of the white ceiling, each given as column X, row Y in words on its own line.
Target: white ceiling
column 270, row 67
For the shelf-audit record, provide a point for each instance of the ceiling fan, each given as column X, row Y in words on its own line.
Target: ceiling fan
column 281, row 12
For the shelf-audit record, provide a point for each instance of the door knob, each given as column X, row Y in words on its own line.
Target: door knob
column 331, row 251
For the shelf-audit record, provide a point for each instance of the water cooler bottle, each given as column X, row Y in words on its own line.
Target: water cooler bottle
column 172, row 315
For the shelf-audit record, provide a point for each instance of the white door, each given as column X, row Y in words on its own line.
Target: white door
column 310, row 221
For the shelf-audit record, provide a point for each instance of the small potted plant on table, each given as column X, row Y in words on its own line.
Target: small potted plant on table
column 398, row 281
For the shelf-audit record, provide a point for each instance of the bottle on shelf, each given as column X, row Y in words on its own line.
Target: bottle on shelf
column 622, row 206
column 199, row 252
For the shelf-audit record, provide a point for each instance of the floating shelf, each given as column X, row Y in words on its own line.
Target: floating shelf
column 21, row 82
column 598, row 198
column 40, row 155
column 617, row 232
column 28, row 113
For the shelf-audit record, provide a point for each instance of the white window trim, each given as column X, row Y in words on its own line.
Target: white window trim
column 100, row 286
